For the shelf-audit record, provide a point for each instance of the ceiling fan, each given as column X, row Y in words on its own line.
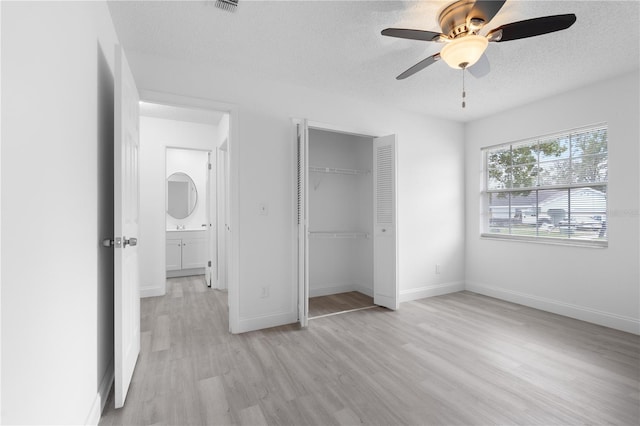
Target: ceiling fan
column 461, row 23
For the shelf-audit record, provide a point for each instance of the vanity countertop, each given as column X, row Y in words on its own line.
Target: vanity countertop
column 187, row 230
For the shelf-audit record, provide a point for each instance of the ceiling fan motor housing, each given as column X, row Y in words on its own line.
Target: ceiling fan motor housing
column 454, row 19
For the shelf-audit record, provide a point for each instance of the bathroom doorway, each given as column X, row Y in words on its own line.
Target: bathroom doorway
column 190, row 250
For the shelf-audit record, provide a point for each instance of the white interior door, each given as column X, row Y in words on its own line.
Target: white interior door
column 222, row 208
column 302, row 148
column 385, row 282
column 126, row 200
column 227, row 217
column 210, row 247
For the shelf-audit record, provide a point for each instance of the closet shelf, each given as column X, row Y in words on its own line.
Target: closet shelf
column 331, row 235
column 337, row 171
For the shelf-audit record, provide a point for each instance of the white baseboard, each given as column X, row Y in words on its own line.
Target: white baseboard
column 364, row 290
column 101, row 398
column 337, row 289
column 266, row 321
column 185, row 272
column 430, row 291
column 331, row 289
column 583, row 313
column 152, row 291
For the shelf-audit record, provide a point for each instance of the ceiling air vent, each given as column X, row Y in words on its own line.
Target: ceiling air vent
column 228, row 5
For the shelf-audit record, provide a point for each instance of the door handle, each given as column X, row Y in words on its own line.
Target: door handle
column 129, row 241
column 113, row 242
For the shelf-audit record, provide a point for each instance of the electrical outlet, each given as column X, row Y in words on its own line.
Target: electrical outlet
column 438, row 270
column 264, row 292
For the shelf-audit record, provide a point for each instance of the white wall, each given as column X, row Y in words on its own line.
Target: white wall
column 57, row 122
column 597, row 285
column 430, row 199
column 156, row 134
column 194, row 164
column 340, row 202
column 0, row 220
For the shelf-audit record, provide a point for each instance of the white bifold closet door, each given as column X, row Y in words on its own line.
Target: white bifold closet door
column 385, row 284
column 302, row 149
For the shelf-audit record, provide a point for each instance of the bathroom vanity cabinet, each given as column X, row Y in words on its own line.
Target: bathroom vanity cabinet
column 186, row 252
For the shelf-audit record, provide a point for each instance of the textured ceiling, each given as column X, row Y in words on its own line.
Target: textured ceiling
column 336, row 47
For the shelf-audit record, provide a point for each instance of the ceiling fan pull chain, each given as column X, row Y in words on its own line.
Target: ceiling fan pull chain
column 464, row 94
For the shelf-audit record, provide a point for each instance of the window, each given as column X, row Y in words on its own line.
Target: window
column 552, row 188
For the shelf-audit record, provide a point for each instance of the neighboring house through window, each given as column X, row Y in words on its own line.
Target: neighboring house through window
column 552, row 188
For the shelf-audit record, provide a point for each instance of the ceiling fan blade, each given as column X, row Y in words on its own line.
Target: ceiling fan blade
column 480, row 68
column 485, row 10
column 419, row 66
column 411, row 34
column 531, row 27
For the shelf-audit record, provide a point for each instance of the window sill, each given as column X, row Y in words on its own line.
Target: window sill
column 547, row 241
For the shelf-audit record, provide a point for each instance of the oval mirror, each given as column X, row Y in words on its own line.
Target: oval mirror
column 182, row 195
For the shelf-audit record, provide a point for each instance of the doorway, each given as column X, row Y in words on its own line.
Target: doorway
column 195, row 126
column 189, row 223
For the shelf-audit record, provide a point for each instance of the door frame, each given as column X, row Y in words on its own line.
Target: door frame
column 233, row 149
column 368, row 133
column 222, row 213
column 209, row 198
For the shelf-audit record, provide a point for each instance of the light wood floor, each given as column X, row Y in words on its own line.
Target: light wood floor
column 458, row 359
column 333, row 303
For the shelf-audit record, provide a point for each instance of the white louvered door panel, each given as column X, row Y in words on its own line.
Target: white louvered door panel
column 385, row 286
column 302, row 142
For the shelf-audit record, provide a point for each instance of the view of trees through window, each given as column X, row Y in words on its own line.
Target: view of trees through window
column 551, row 187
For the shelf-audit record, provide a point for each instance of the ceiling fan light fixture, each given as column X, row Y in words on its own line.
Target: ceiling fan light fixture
column 463, row 52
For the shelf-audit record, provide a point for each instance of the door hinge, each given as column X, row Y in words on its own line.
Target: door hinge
column 210, row 166
column 209, row 264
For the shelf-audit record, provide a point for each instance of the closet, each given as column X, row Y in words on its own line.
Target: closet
column 340, row 213
column 346, row 218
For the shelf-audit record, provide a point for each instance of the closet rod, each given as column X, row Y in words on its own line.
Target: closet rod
column 338, row 171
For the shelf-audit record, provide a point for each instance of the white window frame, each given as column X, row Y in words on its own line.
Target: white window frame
column 485, row 208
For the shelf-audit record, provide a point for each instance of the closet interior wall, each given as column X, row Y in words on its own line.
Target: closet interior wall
column 340, row 213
